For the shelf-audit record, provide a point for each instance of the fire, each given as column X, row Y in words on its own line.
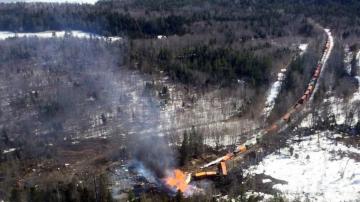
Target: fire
column 178, row 180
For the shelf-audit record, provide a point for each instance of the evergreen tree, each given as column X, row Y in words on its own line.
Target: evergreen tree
column 184, row 153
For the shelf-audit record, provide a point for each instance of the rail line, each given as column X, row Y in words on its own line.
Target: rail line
column 252, row 144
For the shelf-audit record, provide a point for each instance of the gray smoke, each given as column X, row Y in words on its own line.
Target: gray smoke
column 56, row 89
column 155, row 154
column 146, row 145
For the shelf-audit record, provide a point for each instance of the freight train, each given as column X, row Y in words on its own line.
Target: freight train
column 251, row 144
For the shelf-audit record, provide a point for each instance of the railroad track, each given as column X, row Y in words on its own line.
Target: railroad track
column 252, row 144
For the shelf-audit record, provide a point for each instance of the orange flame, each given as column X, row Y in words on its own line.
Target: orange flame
column 177, row 180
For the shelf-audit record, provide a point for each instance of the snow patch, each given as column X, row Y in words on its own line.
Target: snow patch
column 266, row 197
column 276, row 86
column 337, row 109
column 266, row 181
column 274, row 92
column 52, row 1
column 307, row 122
column 303, row 47
column 356, row 95
column 57, row 34
column 161, row 37
column 9, row 150
column 343, row 111
column 321, row 170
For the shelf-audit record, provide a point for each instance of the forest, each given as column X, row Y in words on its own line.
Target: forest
column 143, row 19
column 195, row 71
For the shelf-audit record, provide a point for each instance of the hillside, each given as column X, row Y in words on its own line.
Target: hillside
column 128, row 100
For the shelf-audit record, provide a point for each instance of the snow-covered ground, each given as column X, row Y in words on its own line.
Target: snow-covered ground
column 274, row 92
column 51, row 1
column 319, row 169
column 58, row 34
column 344, row 111
column 9, row 150
column 248, row 194
column 276, row 86
column 303, row 47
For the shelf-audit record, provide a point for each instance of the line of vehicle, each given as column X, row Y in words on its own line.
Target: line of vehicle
column 251, row 144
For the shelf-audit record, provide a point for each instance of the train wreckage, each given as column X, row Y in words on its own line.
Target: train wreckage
column 180, row 180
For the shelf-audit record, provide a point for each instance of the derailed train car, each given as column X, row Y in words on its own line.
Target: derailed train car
column 221, row 162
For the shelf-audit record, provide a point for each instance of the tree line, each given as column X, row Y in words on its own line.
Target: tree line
column 206, row 65
column 146, row 18
column 39, row 17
